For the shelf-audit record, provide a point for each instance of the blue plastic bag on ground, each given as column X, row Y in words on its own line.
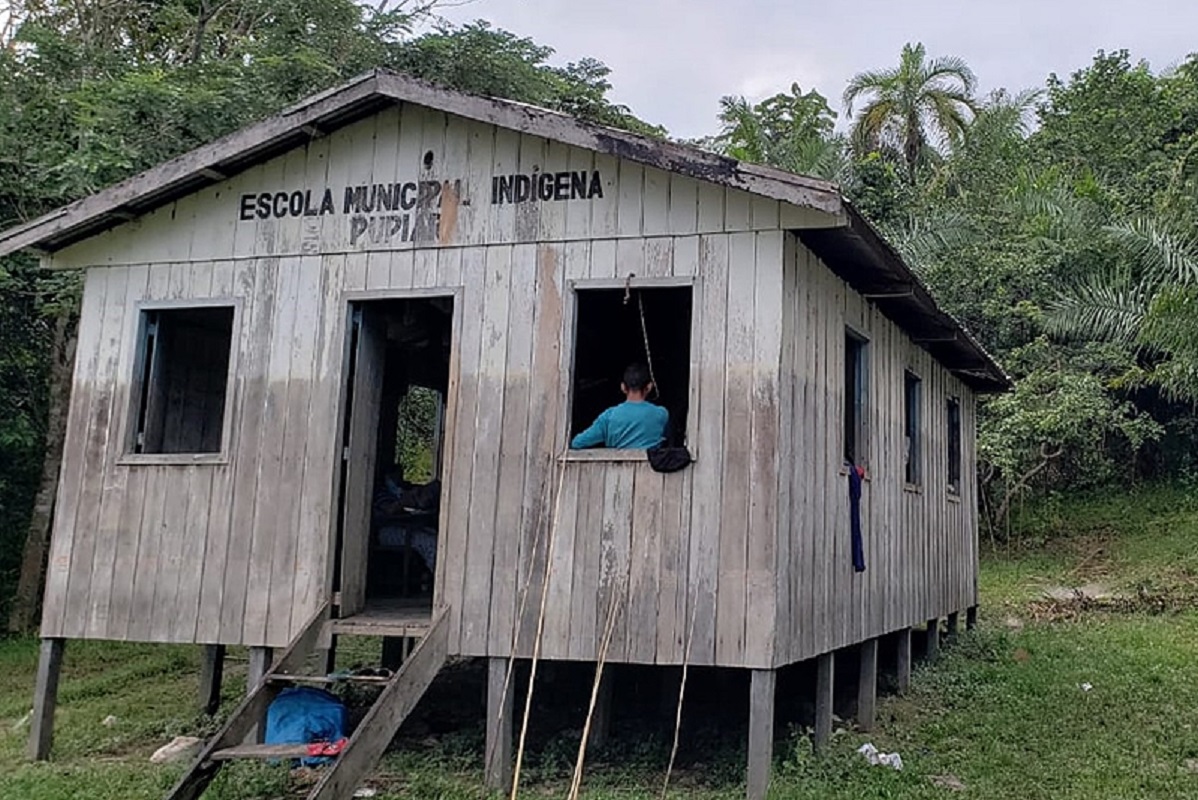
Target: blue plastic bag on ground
column 301, row 716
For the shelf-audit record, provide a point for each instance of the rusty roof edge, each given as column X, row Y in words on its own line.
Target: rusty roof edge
column 669, row 156
column 885, row 250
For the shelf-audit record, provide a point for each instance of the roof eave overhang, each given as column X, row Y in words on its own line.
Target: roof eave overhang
column 861, row 257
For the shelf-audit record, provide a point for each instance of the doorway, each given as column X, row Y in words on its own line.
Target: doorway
column 397, row 382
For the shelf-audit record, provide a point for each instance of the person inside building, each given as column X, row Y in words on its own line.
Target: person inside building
column 405, row 515
column 635, row 424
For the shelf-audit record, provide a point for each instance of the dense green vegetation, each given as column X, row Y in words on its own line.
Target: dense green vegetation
column 1002, row 713
column 1056, row 222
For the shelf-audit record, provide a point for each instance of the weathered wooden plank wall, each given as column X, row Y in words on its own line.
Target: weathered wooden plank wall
column 920, row 541
column 738, row 559
column 455, row 199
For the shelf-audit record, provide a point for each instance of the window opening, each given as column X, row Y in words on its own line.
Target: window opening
column 183, row 380
column 855, row 398
column 618, row 327
column 954, row 445
column 912, row 391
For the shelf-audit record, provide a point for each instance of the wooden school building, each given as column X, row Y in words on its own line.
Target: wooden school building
column 257, row 312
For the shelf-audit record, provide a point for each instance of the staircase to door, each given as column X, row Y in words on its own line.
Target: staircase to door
column 365, row 746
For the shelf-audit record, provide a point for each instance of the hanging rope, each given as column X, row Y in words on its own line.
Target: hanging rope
column 686, row 661
column 541, row 532
column 609, row 628
column 640, row 305
column 536, row 648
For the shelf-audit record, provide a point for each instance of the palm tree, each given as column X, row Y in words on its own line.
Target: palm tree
column 1148, row 302
column 909, row 105
column 794, row 132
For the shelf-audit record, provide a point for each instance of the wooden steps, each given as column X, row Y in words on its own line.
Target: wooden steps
column 326, row 680
column 396, row 618
column 342, row 774
column 261, row 751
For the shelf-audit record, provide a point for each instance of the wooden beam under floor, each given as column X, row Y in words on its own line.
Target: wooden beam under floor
column 867, row 685
column 762, row 686
column 903, row 660
column 500, row 708
column 45, row 698
column 212, row 672
column 601, row 722
column 825, row 675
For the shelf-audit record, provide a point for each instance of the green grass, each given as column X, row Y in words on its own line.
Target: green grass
column 1002, row 711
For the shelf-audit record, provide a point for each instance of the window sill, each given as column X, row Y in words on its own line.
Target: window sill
column 913, row 488
column 953, row 497
column 171, row 459
column 603, row 454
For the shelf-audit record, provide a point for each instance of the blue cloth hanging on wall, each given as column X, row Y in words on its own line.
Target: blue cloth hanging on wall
column 855, row 517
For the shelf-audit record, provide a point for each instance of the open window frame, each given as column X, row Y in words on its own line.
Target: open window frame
column 136, row 368
column 856, row 388
column 569, row 355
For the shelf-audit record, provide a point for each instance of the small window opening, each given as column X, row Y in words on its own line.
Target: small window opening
column 616, row 328
column 855, row 398
column 912, row 390
column 183, row 380
column 954, row 445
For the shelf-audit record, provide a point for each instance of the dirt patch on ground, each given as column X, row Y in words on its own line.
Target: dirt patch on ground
column 1142, row 600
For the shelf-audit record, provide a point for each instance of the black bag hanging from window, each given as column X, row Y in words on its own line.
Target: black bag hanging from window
column 669, row 459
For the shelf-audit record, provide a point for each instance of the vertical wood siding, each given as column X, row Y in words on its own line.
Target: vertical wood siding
column 920, row 542
column 741, row 560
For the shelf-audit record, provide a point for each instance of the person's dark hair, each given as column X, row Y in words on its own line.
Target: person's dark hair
column 636, row 377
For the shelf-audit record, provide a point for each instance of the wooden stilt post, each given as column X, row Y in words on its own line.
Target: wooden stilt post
column 867, row 685
column 601, row 722
column 933, row 643
column 330, row 655
column 45, row 698
column 667, row 700
column 825, row 675
column 903, row 660
column 212, row 672
column 500, row 708
column 951, row 628
column 971, row 618
column 761, row 731
column 393, row 652
column 260, row 661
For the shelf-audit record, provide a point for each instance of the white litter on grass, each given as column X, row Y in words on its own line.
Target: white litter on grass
column 879, row 759
column 23, row 722
column 1087, row 687
column 366, row 791
column 109, row 721
column 181, row 748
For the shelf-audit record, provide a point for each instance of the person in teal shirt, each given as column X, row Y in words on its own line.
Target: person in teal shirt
column 635, row 424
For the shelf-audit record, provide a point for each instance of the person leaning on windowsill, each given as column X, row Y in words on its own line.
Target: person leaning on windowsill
column 635, row 424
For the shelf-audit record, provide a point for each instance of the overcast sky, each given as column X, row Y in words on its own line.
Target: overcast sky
column 672, row 60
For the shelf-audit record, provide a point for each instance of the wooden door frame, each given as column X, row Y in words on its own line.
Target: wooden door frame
column 346, row 305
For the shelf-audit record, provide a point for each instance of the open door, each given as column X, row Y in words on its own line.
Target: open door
column 368, row 342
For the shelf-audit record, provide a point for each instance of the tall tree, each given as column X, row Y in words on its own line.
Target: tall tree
column 792, row 131
column 913, row 107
